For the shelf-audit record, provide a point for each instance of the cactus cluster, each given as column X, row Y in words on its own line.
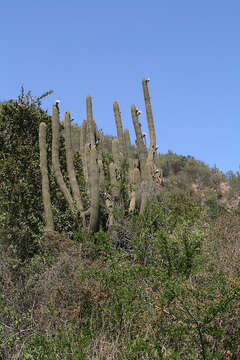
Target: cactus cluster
column 123, row 181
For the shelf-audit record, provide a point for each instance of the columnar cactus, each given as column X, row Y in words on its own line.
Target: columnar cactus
column 127, row 141
column 83, row 140
column 129, row 152
column 150, row 165
column 135, row 180
column 146, row 158
column 45, row 181
column 141, row 147
column 93, row 169
column 115, row 169
column 74, row 200
column 150, row 121
column 55, row 159
column 70, row 166
column 116, row 153
column 101, row 175
column 140, row 172
column 119, row 127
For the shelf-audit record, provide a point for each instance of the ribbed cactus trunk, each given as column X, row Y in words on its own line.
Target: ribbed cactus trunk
column 134, row 182
column 70, row 165
column 151, row 128
column 141, row 147
column 90, row 121
column 127, row 141
column 150, row 121
column 115, row 169
column 149, row 167
column 48, row 215
column 146, row 158
column 118, row 121
column 83, row 141
column 94, row 179
column 129, row 152
column 93, row 169
column 100, row 147
column 55, row 159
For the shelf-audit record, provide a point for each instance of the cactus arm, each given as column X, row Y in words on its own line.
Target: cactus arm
column 94, row 179
column 135, row 180
column 141, row 147
column 45, row 181
column 93, row 169
column 83, row 141
column 119, row 127
column 55, row 158
column 114, row 183
column 127, row 142
column 150, row 121
column 101, row 175
column 129, row 152
column 116, row 153
column 70, row 165
column 90, row 121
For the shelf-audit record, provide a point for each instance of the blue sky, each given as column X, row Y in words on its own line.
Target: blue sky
column 189, row 49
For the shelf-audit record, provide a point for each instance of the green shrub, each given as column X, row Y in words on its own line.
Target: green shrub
column 20, row 195
column 170, row 231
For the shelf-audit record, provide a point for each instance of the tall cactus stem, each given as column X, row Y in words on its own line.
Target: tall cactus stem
column 55, row 159
column 90, row 121
column 141, row 147
column 150, row 121
column 119, row 127
column 116, row 153
column 127, row 142
column 115, row 168
column 135, row 180
column 114, row 184
column 94, row 194
column 70, row 165
column 45, row 181
column 93, row 169
column 83, row 141
column 101, row 175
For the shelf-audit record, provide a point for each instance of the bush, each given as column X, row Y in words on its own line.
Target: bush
column 20, row 196
column 170, row 231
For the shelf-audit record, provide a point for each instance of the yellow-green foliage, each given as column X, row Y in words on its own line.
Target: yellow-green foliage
column 169, row 290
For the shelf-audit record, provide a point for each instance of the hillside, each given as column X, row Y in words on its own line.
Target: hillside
column 111, row 250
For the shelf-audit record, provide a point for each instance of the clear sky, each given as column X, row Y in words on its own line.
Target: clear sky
column 189, row 49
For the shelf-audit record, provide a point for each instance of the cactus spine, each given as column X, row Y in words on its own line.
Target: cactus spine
column 45, row 181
